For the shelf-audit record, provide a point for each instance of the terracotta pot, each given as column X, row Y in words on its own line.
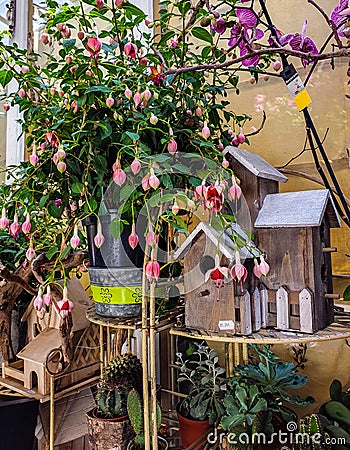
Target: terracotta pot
column 192, row 430
column 108, row 434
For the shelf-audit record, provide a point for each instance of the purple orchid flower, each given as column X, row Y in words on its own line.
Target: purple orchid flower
column 219, row 25
column 339, row 14
column 244, row 33
column 300, row 42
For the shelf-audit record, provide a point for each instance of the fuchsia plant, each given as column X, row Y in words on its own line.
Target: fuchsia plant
column 119, row 105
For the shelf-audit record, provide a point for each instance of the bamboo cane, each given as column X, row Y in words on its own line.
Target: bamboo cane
column 145, row 352
column 152, row 348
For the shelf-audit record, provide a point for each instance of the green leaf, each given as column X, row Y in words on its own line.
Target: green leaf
column 43, row 200
column 181, row 168
column 133, row 136
column 5, row 77
column 77, row 188
column 202, row 34
column 51, row 252
column 346, row 294
column 166, row 180
column 98, row 88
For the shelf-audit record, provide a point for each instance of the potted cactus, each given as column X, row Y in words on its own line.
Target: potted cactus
column 135, row 412
column 108, row 423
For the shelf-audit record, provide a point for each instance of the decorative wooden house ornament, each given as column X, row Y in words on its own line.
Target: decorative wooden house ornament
column 293, row 229
column 237, row 308
column 29, row 374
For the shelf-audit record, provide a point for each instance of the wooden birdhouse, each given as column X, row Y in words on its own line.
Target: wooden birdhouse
column 257, row 177
column 294, row 232
column 29, row 374
column 229, row 307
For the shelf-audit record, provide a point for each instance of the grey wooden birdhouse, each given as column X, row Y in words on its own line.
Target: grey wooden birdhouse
column 220, row 305
column 294, row 231
column 257, row 177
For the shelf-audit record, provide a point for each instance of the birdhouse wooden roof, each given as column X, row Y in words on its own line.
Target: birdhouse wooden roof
column 221, row 241
column 38, row 349
column 297, row 209
column 255, row 164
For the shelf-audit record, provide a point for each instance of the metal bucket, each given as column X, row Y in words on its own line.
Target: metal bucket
column 117, row 292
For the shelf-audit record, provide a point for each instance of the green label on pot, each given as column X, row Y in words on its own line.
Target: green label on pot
column 121, row 295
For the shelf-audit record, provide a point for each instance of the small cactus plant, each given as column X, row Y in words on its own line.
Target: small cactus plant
column 135, row 412
column 119, row 377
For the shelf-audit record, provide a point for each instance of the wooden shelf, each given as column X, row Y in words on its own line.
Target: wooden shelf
column 340, row 329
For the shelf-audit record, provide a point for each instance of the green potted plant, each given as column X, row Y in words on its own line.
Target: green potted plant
column 205, row 386
column 258, row 397
column 136, row 415
column 108, row 422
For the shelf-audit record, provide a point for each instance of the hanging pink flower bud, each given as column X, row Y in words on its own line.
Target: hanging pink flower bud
column 119, row 3
column 153, row 180
column 48, row 296
column 153, row 119
column 39, row 302
column 6, row 107
column 4, row 222
column 256, row 269
column 15, row 227
column 200, row 191
column 100, row 4
column 235, row 191
column 172, row 146
column 276, row 65
column 221, row 146
column 55, row 158
column 130, row 50
column 119, row 176
column 94, row 46
column 109, row 102
column 229, row 132
column 61, row 154
column 21, row 93
column 25, row 69
column 133, row 238
column 68, row 59
column 128, row 93
column 241, row 137
column 175, row 208
column 238, row 271
column 199, row 112
column 145, row 182
column 137, row 99
column 27, row 226
column 99, row 238
column 61, row 166
column 225, row 163
column 146, row 95
column 205, row 131
column 263, row 266
column 152, row 270
column 135, row 166
column 45, row 38
column 75, row 240
column 33, row 158
column 235, row 140
column 151, row 237
column 81, row 35
column 60, row 26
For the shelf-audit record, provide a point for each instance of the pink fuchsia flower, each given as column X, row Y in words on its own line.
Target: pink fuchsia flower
column 61, row 166
column 94, row 46
column 200, row 191
column 146, row 95
column 119, row 3
column 52, row 139
column 339, row 14
column 99, row 238
column 100, row 4
column 75, row 240
column 145, row 182
column 48, row 296
column 39, row 302
column 15, row 227
column 218, row 273
column 4, row 222
column 45, row 38
column 109, row 102
column 27, row 226
column 235, row 192
column 130, row 50
column 225, row 164
column 137, row 99
column 153, row 180
column 153, row 119
column 219, row 25
column 21, row 93
column 30, row 253
column 256, row 269
column 128, row 93
column 133, row 238
column 175, row 208
column 300, row 42
column 205, row 131
column 33, row 158
column 214, row 199
column 152, row 271
column 238, row 271
column 151, row 238
column 135, row 166
column 172, row 146
column 263, row 266
column 119, row 176
column 65, row 306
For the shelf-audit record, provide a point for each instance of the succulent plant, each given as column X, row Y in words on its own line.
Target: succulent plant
column 135, row 412
column 119, row 377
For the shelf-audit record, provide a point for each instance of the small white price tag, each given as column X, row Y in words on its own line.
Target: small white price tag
column 226, row 325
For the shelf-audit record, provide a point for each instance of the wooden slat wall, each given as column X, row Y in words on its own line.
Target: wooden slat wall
column 81, row 443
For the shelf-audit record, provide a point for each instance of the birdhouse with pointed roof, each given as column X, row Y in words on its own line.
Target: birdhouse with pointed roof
column 257, row 177
column 294, row 231
column 213, row 301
